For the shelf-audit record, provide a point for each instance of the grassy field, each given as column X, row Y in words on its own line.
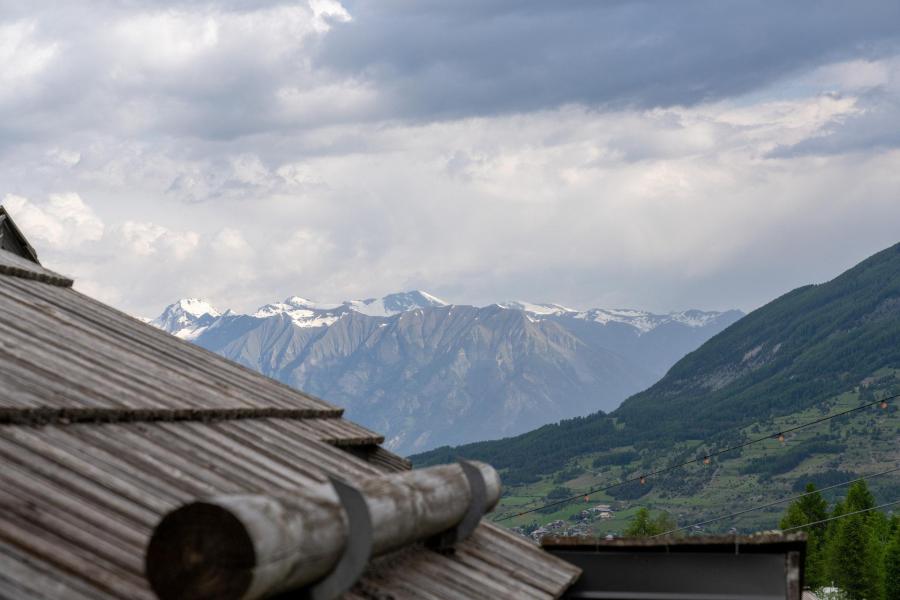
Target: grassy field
column 857, row 444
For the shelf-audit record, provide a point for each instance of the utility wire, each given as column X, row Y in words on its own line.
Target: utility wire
column 709, row 456
column 776, row 503
column 856, row 512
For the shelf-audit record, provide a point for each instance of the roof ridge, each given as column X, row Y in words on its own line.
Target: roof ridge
column 65, row 416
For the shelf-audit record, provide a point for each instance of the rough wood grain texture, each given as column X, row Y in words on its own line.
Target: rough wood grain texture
column 113, row 482
column 251, row 546
column 376, row 455
column 61, row 349
column 107, row 424
column 346, row 434
column 22, row 576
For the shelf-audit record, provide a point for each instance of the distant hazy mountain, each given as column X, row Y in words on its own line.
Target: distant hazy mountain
column 819, row 349
column 427, row 373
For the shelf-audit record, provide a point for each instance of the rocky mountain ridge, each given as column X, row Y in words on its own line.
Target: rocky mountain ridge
column 426, row 372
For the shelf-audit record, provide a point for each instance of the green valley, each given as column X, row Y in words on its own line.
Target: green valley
column 816, row 351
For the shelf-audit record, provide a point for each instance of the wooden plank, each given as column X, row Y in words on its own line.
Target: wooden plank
column 85, row 468
column 175, row 353
column 386, row 577
column 40, row 415
column 558, row 573
column 29, row 488
column 99, row 448
column 297, row 449
column 262, row 471
column 75, row 531
column 39, row 468
column 154, row 453
column 74, row 560
column 102, row 363
column 332, row 459
column 34, row 580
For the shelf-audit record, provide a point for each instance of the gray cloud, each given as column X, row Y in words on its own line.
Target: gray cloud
column 657, row 155
column 481, row 58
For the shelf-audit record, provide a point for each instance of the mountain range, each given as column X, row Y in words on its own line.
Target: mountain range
column 428, row 373
column 816, row 351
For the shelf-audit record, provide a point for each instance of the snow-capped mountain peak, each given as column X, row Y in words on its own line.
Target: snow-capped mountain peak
column 309, row 313
column 386, row 358
column 302, row 312
column 645, row 321
column 187, row 318
column 641, row 320
column 393, row 304
column 197, row 307
column 536, row 309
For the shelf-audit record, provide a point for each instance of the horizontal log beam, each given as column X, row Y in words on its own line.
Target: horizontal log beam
column 253, row 546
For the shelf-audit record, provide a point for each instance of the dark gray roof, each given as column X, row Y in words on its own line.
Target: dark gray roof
column 107, row 423
column 12, row 240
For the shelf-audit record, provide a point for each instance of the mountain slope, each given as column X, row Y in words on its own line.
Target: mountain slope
column 811, row 343
column 426, row 373
column 808, row 352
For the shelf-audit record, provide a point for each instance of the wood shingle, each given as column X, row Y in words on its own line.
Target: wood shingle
column 107, row 423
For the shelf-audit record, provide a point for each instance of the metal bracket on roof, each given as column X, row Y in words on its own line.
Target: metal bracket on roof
column 446, row 540
column 357, row 551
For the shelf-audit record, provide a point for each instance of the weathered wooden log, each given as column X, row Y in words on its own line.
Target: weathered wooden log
column 252, row 546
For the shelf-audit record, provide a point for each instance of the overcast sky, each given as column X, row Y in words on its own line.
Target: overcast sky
column 657, row 155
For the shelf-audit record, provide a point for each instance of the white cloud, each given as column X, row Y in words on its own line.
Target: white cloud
column 69, row 158
column 146, row 239
column 853, row 75
column 62, row 221
column 230, row 159
column 178, row 39
column 22, row 58
column 231, row 242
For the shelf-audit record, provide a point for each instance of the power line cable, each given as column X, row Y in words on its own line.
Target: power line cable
column 776, row 503
column 856, row 512
column 643, row 477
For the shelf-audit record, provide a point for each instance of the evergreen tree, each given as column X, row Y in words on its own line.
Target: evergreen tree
column 810, row 509
column 853, row 564
column 643, row 525
column 892, row 565
column 859, row 497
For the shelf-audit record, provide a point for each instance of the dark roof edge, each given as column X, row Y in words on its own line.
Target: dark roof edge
column 21, row 239
column 65, row 416
column 16, row 266
column 700, row 543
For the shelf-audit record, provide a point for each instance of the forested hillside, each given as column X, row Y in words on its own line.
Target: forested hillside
column 817, row 350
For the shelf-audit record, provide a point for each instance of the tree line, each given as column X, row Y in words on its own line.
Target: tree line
column 857, row 553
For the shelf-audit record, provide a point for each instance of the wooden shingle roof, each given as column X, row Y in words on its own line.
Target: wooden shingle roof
column 107, row 423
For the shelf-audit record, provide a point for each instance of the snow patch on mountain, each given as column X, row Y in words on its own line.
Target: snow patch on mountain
column 641, row 320
column 309, row 313
column 536, row 309
column 386, row 359
column 302, row 312
column 187, row 318
column 644, row 321
column 190, row 317
column 393, row 304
